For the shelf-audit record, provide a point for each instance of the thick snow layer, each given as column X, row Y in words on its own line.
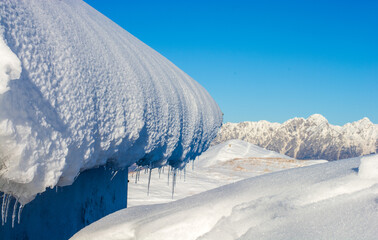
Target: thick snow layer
column 89, row 93
column 323, row 201
column 222, row 164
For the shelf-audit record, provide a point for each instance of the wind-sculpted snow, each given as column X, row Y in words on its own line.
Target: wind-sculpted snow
column 89, row 94
column 323, row 201
column 311, row 138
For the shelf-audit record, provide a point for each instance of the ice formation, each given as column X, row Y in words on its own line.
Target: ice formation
column 89, row 93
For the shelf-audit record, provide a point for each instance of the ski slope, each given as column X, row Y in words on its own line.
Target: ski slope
column 77, row 91
column 332, row 200
column 222, row 164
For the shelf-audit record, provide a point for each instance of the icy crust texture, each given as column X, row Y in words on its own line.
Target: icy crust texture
column 89, row 93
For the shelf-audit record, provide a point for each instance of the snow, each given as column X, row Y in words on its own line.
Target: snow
column 368, row 168
column 236, row 149
column 89, row 93
column 322, row 201
column 222, row 164
column 10, row 66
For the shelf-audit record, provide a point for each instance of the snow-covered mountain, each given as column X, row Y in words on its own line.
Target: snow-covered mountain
column 311, row 138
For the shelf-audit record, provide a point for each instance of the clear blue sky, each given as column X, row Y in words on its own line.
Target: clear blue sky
column 270, row 60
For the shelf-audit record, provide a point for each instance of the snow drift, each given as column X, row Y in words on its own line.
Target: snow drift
column 85, row 93
column 323, row 201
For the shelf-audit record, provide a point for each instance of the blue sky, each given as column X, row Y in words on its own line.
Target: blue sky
column 270, row 60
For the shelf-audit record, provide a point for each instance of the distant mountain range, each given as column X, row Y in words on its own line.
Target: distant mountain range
column 311, row 138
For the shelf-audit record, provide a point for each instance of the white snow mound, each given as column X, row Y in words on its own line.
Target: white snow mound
column 235, row 149
column 89, row 94
column 368, row 168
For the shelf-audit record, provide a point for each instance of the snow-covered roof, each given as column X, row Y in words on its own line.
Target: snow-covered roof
column 85, row 92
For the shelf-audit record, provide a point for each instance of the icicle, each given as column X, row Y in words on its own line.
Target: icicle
column 193, row 164
column 173, row 182
column 113, row 174
column 159, row 171
column 7, row 208
column 5, row 196
column 19, row 213
column 163, row 169
column 149, row 181
column 180, row 174
column 14, row 212
column 185, row 174
column 168, row 174
column 137, row 175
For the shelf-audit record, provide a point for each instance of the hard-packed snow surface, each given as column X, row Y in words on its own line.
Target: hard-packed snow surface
column 322, row 201
column 311, row 138
column 222, row 164
column 89, row 93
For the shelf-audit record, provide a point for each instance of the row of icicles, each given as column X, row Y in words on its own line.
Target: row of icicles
column 6, row 202
column 170, row 172
column 7, row 198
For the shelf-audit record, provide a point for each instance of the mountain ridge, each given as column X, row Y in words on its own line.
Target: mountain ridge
column 311, row 138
